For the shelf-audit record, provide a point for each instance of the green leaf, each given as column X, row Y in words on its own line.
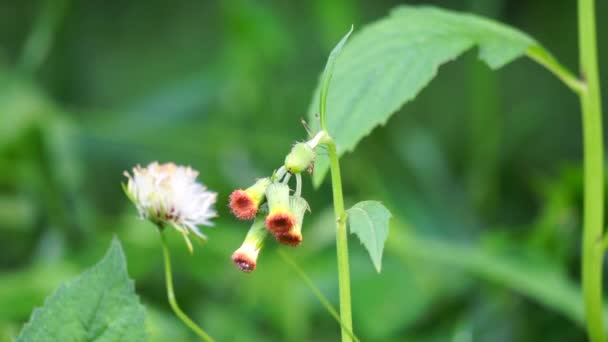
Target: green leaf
column 387, row 64
column 522, row 274
column 328, row 73
column 98, row 305
column 369, row 221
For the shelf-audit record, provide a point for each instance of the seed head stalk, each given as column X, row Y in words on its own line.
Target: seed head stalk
column 171, row 295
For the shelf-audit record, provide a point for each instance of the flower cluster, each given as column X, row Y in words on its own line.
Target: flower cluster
column 167, row 194
column 272, row 206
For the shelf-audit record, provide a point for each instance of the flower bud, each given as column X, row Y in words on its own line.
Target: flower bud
column 280, row 218
column 300, row 158
column 244, row 203
column 245, row 258
column 293, row 237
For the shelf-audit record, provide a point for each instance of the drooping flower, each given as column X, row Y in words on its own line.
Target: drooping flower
column 280, row 219
column 293, row 237
column 244, row 203
column 245, row 258
column 167, row 194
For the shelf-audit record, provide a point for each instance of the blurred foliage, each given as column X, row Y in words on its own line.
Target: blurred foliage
column 482, row 171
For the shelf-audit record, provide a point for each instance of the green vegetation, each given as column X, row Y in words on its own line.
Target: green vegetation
column 494, row 186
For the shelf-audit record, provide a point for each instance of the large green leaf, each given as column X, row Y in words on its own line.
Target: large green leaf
column 98, row 305
column 369, row 221
column 545, row 283
column 388, row 62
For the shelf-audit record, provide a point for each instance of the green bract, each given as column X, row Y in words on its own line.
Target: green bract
column 277, row 195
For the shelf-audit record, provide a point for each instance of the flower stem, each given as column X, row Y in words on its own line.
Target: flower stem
column 171, row 295
column 341, row 242
column 593, row 173
column 324, row 301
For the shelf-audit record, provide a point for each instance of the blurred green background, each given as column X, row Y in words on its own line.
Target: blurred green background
column 482, row 171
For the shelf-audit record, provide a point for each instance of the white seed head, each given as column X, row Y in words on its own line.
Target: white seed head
column 170, row 194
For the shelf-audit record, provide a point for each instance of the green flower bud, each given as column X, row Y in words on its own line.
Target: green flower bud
column 300, row 158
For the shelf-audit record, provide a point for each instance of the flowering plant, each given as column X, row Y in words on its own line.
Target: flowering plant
column 169, row 195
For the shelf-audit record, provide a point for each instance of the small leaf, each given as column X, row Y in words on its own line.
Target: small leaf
column 369, row 221
column 98, row 305
column 388, row 62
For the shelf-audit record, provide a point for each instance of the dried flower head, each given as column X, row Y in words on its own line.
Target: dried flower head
column 293, row 237
column 244, row 203
column 245, row 258
column 280, row 218
column 167, row 194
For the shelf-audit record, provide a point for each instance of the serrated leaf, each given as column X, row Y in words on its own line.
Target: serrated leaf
column 98, row 305
column 388, row 62
column 369, row 221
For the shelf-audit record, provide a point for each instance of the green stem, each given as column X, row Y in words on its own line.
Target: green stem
column 593, row 173
column 171, row 295
column 341, row 242
column 324, row 301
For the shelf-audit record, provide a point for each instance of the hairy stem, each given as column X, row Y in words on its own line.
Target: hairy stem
column 171, row 295
column 341, row 243
column 593, row 173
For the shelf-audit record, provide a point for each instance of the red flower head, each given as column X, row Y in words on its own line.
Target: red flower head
column 280, row 218
column 244, row 204
column 245, row 258
column 280, row 222
column 293, row 236
column 246, row 262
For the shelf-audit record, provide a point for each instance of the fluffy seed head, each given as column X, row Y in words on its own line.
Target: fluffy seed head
column 167, row 194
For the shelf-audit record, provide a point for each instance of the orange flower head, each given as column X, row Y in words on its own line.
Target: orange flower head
column 280, row 222
column 244, row 204
column 245, row 258
column 293, row 236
